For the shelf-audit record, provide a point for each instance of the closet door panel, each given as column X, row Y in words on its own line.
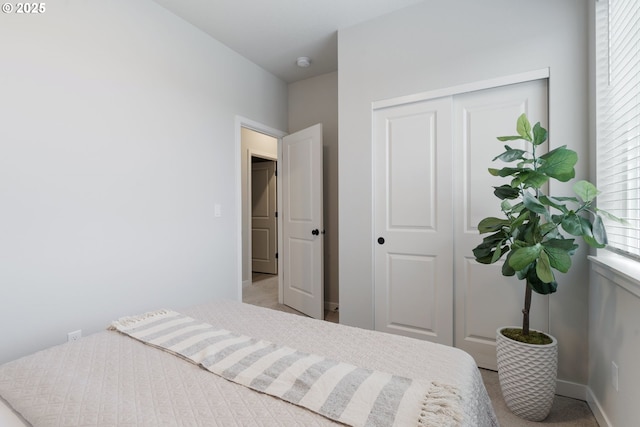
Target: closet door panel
column 484, row 299
column 413, row 223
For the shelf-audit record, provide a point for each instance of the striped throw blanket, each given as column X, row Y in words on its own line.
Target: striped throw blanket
column 339, row 391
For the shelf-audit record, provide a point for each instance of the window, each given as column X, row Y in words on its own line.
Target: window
column 618, row 119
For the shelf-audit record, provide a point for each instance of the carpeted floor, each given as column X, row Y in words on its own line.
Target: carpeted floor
column 566, row 412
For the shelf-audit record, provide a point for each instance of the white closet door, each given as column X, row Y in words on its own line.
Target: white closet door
column 484, row 299
column 413, row 220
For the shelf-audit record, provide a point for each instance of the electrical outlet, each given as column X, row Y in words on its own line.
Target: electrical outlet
column 614, row 375
column 74, row 336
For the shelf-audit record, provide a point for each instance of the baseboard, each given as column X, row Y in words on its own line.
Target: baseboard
column 571, row 389
column 330, row 306
column 597, row 410
column 246, row 283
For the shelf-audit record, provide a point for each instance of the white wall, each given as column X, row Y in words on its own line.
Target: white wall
column 252, row 143
column 437, row 45
column 614, row 337
column 313, row 101
column 117, row 127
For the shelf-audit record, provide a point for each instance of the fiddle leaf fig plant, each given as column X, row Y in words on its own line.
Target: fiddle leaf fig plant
column 536, row 236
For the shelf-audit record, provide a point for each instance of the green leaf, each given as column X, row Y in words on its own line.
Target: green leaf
column 555, row 203
column 506, row 192
column 539, row 134
column 524, row 256
column 543, row 268
column 504, row 171
column 531, row 203
column 546, row 228
column 572, row 224
column 535, row 179
column 509, row 138
column 497, row 253
column 492, row 224
column 592, row 242
column 599, row 232
column 612, row 217
column 559, row 164
column 539, row 286
column 585, row 190
column 524, row 127
column 507, row 270
column 520, row 220
column 510, row 155
column 484, row 252
column 563, row 244
column 558, row 251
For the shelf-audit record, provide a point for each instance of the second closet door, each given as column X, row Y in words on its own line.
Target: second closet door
column 484, row 299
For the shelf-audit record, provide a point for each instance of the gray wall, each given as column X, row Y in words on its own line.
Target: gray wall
column 116, row 141
column 312, row 101
column 443, row 44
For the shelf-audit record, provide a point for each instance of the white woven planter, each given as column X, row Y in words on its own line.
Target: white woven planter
column 527, row 375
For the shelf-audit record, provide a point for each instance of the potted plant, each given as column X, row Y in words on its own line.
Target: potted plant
column 530, row 238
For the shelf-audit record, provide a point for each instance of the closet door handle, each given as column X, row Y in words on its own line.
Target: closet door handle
column 315, row 232
column 381, row 240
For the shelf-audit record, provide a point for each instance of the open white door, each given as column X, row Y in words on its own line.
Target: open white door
column 302, row 222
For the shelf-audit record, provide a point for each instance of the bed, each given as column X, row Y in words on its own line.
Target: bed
column 112, row 379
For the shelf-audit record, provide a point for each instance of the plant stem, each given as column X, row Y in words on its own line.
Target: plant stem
column 526, row 309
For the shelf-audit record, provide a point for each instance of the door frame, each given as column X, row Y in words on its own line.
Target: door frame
column 243, row 122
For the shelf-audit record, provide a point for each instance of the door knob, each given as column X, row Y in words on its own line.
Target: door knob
column 381, row 240
column 315, row 232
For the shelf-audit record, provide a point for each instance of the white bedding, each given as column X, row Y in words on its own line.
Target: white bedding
column 108, row 379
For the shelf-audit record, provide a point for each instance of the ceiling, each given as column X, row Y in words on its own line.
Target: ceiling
column 274, row 33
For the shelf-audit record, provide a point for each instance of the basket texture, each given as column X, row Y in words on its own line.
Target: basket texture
column 527, row 375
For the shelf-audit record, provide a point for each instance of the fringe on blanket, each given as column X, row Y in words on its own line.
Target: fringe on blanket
column 440, row 407
column 128, row 321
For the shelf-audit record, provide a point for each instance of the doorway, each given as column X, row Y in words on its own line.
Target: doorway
column 300, row 230
column 257, row 145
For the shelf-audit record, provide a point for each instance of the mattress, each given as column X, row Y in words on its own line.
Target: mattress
column 108, row 379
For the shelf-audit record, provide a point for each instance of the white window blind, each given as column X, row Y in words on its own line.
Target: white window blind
column 618, row 119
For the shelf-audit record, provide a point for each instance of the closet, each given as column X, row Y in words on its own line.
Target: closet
column 431, row 188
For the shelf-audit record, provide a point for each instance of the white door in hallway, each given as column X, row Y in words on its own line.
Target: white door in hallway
column 302, row 222
column 264, row 242
column 484, row 299
column 413, row 220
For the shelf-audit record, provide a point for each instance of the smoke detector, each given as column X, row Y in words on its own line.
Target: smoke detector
column 303, row 62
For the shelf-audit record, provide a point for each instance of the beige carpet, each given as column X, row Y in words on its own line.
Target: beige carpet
column 566, row 412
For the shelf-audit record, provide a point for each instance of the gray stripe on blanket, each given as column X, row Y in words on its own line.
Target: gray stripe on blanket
column 248, row 360
column 304, row 382
column 387, row 402
column 264, row 380
column 341, row 395
column 225, row 352
column 170, row 330
column 201, row 345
